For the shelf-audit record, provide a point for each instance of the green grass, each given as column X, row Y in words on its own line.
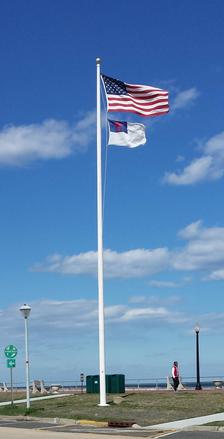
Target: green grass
column 215, row 424
column 7, row 396
column 143, row 408
column 4, row 397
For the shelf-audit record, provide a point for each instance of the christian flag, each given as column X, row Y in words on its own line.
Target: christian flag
column 126, row 134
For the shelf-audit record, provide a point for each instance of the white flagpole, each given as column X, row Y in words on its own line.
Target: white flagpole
column 100, row 244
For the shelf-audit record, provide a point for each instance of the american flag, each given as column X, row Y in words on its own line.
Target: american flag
column 140, row 99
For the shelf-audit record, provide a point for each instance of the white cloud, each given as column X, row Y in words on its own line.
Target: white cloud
column 191, row 231
column 137, row 299
column 49, row 319
column 52, row 318
column 114, row 311
column 212, row 322
column 215, row 145
column 164, row 284
column 51, row 139
column 217, row 275
column 169, row 284
column 180, row 158
column 185, row 98
column 132, row 263
column 58, row 315
column 66, row 319
column 208, row 167
column 142, row 313
column 193, row 173
column 84, row 130
column 203, row 251
column 155, row 300
column 64, row 335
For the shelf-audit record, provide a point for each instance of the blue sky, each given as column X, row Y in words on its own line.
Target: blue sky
column 163, row 219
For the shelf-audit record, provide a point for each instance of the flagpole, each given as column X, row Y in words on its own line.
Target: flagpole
column 100, row 244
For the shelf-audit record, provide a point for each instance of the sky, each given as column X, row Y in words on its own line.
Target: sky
column 163, row 203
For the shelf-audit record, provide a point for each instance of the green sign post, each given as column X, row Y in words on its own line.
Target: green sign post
column 10, row 353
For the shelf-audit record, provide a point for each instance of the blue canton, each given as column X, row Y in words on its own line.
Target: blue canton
column 117, row 126
column 114, row 86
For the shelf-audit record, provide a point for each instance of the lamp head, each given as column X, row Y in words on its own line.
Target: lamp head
column 25, row 310
column 197, row 328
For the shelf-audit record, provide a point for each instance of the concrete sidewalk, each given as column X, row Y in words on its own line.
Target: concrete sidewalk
column 37, row 398
column 185, row 423
column 23, row 433
column 20, row 433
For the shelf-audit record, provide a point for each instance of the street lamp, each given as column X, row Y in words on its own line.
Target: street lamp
column 198, row 384
column 25, row 310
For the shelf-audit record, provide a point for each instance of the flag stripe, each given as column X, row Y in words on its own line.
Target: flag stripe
column 138, row 107
column 142, row 87
column 139, row 102
column 147, row 95
column 140, row 112
column 140, row 99
column 147, row 91
column 116, row 107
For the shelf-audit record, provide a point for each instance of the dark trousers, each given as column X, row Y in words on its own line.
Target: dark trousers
column 175, row 383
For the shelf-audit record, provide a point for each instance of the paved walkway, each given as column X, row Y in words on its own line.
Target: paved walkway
column 37, row 398
column 185, row 423
column 20, row 433
column 23, row 433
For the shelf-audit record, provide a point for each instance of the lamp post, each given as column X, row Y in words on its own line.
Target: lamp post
column 198, row 384
column 25, row 310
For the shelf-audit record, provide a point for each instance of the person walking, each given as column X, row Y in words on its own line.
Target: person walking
column 175, row 375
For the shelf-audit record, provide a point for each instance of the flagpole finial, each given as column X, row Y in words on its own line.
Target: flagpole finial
column 97, row 60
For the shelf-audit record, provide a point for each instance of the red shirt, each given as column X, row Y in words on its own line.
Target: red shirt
column 175, row 372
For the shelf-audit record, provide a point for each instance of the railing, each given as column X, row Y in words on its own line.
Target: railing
column 130, row 383
column 161, row 383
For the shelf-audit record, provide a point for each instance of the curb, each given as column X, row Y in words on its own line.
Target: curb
column 104, row 424
column 204, row 428
column 56, row 420
column 93, row 423
column 35, row 418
